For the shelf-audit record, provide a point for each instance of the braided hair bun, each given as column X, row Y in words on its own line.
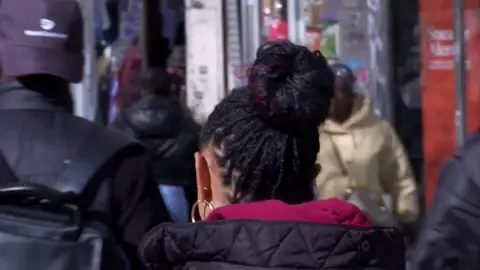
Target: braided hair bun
column 265, row 135
column 291, row 87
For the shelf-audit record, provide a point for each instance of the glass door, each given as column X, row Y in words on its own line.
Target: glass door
column 356, row 33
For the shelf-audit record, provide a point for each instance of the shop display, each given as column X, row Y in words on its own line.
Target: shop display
column 323, row 29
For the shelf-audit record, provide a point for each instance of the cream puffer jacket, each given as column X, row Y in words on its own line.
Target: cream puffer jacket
column 370, row 152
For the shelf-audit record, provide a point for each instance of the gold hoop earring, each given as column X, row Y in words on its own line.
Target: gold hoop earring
column 196, row 205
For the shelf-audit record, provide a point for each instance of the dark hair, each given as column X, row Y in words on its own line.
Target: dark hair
column 156, row 81
column 344, row 72
column 265, row 135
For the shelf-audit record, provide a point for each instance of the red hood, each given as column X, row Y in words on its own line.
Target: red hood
column 278, row 31
column 129, row 71
column 331, row 211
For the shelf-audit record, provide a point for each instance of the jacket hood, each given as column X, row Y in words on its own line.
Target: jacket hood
column 154, row 117
column 315, row 235
column 362, row 115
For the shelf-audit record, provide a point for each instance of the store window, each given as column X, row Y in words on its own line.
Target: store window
column 355, row 32
column 321, row 19
column 322, row 28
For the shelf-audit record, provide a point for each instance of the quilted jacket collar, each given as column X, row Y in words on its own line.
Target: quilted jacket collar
column 255, row 244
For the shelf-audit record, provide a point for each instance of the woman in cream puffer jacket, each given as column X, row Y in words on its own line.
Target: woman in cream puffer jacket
column 361, row 150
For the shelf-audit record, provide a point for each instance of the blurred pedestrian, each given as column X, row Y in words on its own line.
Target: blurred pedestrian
column 171, row 137
column 128, row 75
column 362, row 157
column 255, row 181
column 176, row 63
column 176, row 67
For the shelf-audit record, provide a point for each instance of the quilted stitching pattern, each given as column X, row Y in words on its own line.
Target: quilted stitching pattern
column 274, row 244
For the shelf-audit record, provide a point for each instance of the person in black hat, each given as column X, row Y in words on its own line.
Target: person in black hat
column 40, row 55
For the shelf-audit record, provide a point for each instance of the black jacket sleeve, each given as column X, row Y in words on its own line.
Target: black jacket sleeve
column 137, row 202
column 450, row 235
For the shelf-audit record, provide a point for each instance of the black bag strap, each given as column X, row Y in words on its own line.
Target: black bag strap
column 103, row 146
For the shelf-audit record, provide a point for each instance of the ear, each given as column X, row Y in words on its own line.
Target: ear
column 204, row 192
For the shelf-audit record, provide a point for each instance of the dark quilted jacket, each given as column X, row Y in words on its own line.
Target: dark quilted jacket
column 450, row 234
column 279, row 245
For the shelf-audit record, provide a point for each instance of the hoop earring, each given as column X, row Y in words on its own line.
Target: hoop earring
column 196, row 205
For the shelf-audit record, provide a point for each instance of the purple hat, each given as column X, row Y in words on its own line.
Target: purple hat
column 42, row 37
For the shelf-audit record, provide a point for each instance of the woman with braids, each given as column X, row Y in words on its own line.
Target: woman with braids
column 255, row 179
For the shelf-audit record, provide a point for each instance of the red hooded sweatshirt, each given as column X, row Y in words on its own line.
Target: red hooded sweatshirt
column 129, row 72
column 330, row 211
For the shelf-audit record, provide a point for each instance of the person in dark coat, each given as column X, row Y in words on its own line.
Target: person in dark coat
column 450, row 235
column 255, row 174
column 39, row 133
column 170, row 135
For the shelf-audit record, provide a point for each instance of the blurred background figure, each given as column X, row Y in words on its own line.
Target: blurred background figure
column 176, row 62
column 170, row 135
column 361, row 152
column 278, row 29
column 176, row 65
column 128, row 77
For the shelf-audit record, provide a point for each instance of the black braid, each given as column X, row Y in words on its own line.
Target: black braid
column 266, row 134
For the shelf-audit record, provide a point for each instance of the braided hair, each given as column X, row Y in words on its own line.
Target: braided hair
column 265, row 135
